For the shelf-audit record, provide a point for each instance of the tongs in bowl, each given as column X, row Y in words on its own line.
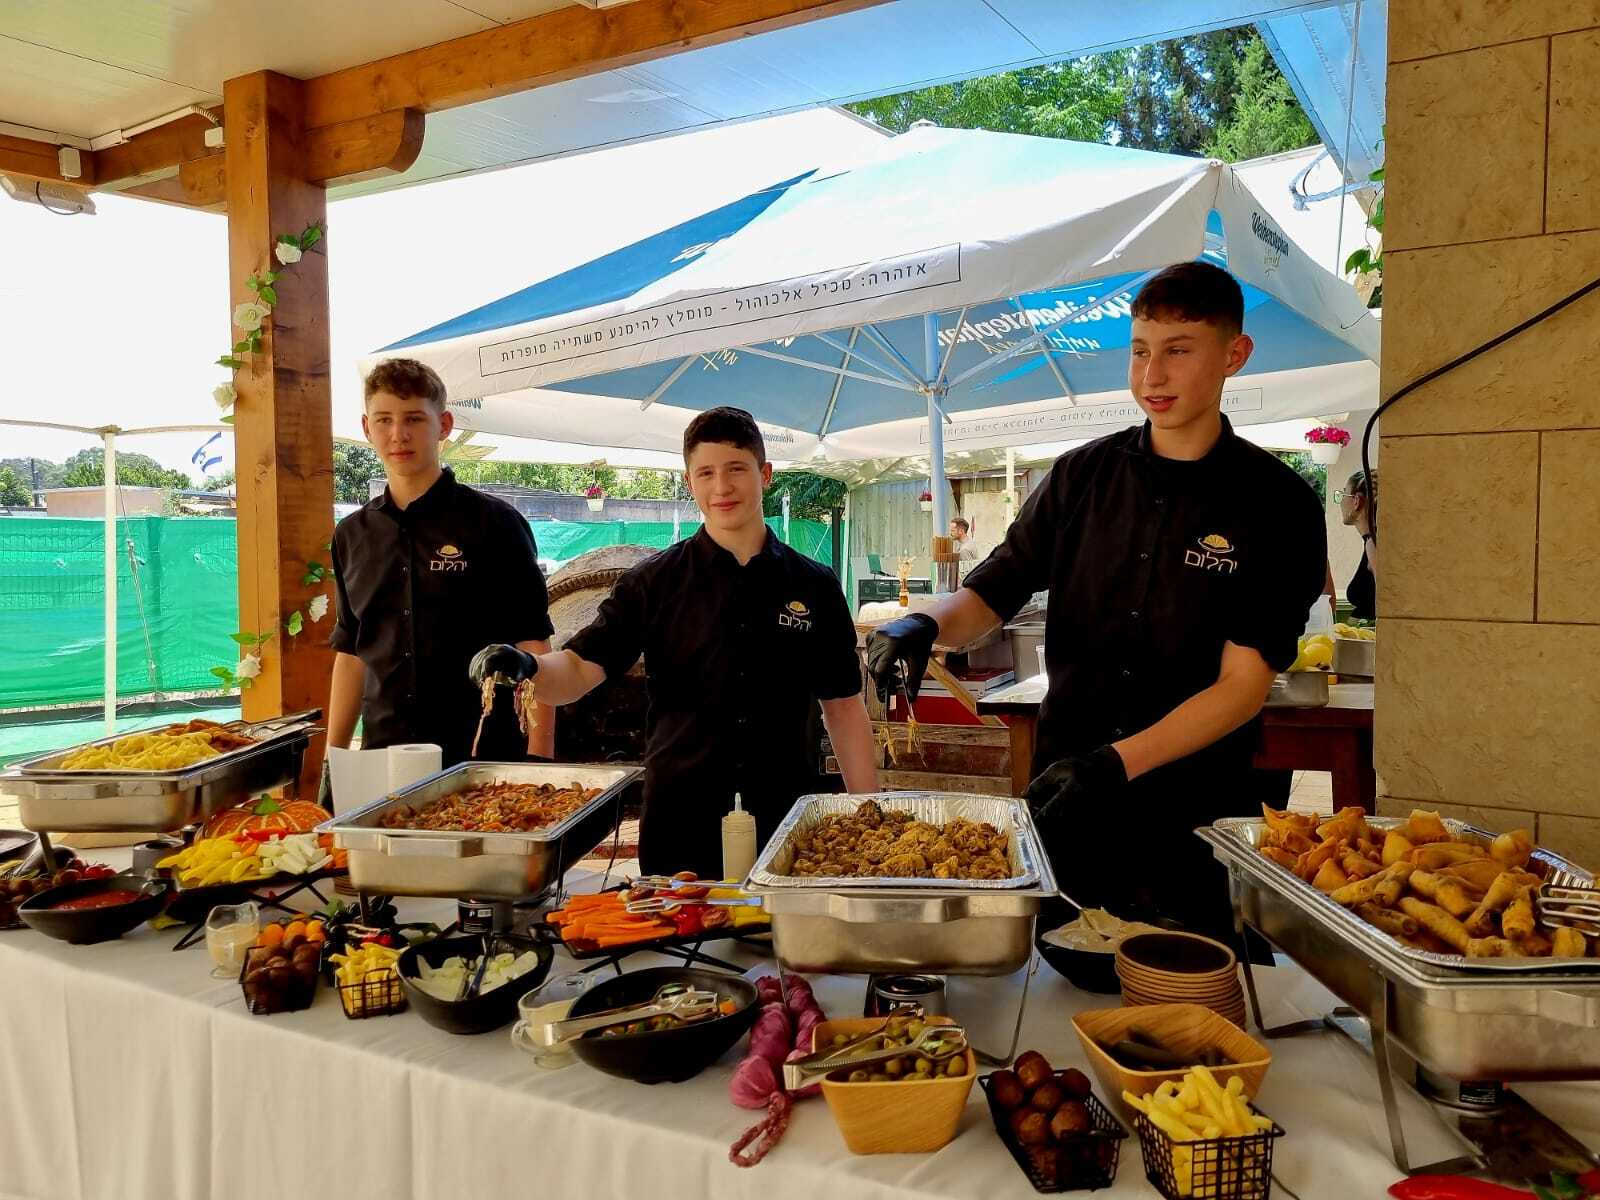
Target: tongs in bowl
column 936, row 1043
column 685, row 1006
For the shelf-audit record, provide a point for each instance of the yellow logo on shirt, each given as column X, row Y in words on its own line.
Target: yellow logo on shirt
column 448, row 558
column 795, row 616
column 1212, row 555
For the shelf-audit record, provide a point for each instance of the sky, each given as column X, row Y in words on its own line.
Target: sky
column 118, row 318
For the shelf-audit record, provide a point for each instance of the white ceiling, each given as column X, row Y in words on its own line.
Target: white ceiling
column 87, row 67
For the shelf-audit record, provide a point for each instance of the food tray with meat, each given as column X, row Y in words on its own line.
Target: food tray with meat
column 902, row 840
column 1493, row 1018
column 146, row 801
column 865, row 924
column 533, row 820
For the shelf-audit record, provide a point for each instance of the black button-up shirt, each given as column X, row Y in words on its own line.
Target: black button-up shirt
column 736, row 659
column 420, row 590
column 1152, row 564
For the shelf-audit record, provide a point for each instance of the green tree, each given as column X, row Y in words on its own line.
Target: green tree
column 87, row 468
column 48, row 474
column 1266, row 117
column 810, row 495
column 14, row 492
column 1316, row 477
column 353, row 468
column 220, row 483
column 1073, row 99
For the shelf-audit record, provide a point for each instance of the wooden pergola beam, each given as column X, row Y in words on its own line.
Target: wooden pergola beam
column 38, row 161
column 565, row 44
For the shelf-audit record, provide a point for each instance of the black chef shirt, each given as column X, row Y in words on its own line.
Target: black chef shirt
column 1152, row 564
column 735, row 660
column 420, row 591
column 1363, row 590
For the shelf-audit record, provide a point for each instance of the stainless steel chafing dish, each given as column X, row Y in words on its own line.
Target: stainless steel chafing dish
column 885, row 924
column 1469, row 1019
column 428, row 862
column 56, row 800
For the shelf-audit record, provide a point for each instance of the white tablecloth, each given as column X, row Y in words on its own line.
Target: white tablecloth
column 127, row 1072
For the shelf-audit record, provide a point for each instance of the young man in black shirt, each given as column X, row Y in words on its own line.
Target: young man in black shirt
column 741, row 638
column 423, row 573
column 1181, row 562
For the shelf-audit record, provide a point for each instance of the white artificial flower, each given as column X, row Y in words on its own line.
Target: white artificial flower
column 287, row 253
column 225, row 394
column 318, row 608
column 249, row 666
column 249, row 315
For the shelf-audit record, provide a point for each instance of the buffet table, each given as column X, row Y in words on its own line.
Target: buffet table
column 125, row 1070
column 1336, row 738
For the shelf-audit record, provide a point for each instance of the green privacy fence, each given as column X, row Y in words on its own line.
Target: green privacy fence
column 177, row 598
column 177, row 602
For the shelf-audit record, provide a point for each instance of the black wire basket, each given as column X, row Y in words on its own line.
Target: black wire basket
column 377, row 994
column 1232, row 1168
column 1080, row 1162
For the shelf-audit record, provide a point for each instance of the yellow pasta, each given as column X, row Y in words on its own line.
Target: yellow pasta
column 143, row 752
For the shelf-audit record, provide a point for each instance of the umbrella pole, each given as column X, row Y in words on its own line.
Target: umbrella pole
column 109, row 475
column 937, row 483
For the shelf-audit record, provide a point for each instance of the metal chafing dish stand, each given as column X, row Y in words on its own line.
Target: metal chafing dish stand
column 52, row 799
column 859, row 926
column 494, row 868
column 1468, row 1024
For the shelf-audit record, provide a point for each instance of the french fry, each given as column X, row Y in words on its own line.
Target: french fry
column 1437, row 921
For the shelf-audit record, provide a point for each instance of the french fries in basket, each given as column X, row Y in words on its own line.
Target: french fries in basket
column 1199, row 1109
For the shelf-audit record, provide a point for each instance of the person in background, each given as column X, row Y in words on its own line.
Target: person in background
column 1355, row 507
column 961, row 535
column 423, row 573
column 742, row 638
column 1181, row 561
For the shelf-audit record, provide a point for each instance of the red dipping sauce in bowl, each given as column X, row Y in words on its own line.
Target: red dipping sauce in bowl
column 96, row 900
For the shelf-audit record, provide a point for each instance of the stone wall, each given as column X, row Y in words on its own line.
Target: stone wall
column 1489, row 563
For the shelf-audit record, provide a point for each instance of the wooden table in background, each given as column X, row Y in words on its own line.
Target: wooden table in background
column 1337, row 738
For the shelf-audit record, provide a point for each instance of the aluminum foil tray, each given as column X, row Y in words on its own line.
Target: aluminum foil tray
column 1010, row 816
column 1237, row 842
column 266, row 733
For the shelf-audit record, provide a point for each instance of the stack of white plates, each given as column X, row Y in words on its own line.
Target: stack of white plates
column 1180, row 968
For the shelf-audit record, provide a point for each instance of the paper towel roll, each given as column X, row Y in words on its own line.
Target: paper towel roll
column 412, row 762
column 358, row 776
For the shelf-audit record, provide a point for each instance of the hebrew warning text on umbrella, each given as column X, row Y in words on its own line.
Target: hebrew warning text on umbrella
column 720, row 310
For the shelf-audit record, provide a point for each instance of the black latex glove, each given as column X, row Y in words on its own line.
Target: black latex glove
column 1068, row 786
column 516, row 665
column 908, row 639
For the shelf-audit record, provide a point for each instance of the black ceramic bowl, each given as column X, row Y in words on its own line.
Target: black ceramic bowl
column 482, row 1013
column 1086, row 970
column 84, row 925
column 667, row 1055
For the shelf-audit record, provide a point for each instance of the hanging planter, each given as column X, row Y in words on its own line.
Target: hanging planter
column 1327, row 443
column 596, row 497
column 925, row 501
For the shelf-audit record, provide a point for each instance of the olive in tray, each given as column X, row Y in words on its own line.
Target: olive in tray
column 1061, row 1136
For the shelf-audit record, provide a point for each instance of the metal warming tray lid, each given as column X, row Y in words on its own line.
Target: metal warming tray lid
column 1237, row 840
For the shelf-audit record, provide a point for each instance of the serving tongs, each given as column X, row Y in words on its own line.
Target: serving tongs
column 687, row 1005
column 936, row 1043
column 666, row 904
column 1570, row 901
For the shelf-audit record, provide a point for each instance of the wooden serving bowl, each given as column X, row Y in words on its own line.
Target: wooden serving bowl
column 894, row 1118
column 1183, row 1028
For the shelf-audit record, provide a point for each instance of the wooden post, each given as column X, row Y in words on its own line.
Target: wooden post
column 283, row 426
